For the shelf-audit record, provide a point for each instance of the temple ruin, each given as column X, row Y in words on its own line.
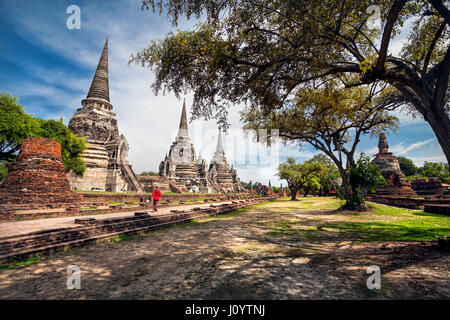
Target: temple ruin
column 106, row 157
column 38, row 176
column 181, row 164
column 221, row 173
column 190, row 172
column 396, row 183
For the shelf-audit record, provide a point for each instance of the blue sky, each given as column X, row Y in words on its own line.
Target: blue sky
column 50, row 68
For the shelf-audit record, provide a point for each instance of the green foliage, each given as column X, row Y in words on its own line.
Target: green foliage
column 265, row 53
column 3, row 170
column 325, row 180
column 365, row 174
column 416, row 176
column 299, row 175
column 435, row 169
column 148, row 173
column 71, row 145
column 16, row 125
column 407, row 166
column 364, row 177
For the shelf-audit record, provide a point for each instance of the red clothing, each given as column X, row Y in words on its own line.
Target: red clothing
column 156, row 195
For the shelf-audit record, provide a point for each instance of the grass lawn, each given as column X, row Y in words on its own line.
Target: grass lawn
column 381, row 223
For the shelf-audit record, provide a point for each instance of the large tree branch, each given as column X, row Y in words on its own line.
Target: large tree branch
column 431, row 48
column 442, row 83
column 443, row 11
column 390, row 21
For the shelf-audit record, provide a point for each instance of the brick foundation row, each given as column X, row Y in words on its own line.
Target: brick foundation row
column 91, row 230
column 13, row 212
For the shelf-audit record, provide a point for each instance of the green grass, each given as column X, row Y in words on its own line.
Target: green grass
column 380, row 223
column 394, row 224
column 20, row 263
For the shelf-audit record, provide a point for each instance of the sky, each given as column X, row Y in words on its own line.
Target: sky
column 49, row 67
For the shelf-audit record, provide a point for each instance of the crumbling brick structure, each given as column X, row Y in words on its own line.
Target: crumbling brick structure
column 396, row 183
column 431, row 187
column 38, row 176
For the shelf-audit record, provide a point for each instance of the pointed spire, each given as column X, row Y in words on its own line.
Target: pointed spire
column 270, row 185
column 61, row 119
column 219, row 155
column 383, row 145
column 100, row 84
column 183, row 129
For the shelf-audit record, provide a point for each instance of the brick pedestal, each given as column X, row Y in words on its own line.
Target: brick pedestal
column 38, row 176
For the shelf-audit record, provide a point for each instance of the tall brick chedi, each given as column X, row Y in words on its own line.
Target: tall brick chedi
column 38, row 176
column 106, row 158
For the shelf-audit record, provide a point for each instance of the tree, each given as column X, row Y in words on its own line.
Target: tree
column 364, row 177
column 436, row 169
column 72, row 146
column 16, row 125
column 407, row 166
column 149, row 173
column 263, row 51
column 325, row 181
column 297, row 175
column 311, row 186
column 330, row 120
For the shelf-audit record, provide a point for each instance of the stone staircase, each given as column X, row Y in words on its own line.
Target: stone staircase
column 131, row 177
column 215, row 186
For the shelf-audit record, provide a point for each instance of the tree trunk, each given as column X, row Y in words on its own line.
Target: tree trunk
column 440, row 123
column 293, row 193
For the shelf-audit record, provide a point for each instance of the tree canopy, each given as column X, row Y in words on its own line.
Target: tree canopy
column 407, row 166
column 16, row 125
column 435, row 169
column 331, row 120
column 300, row 175
column 263, row 52
column 325, row 181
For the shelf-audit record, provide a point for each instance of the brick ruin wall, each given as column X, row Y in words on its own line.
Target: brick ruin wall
column 38, row 175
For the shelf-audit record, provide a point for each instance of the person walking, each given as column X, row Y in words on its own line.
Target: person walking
column 156, row 195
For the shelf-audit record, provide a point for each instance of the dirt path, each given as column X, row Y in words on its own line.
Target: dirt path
column 239, row 257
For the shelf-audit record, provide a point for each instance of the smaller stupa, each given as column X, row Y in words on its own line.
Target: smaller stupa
column 396, row 183
column 38, row 176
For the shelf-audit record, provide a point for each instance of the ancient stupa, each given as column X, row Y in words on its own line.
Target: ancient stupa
column 106, row 158
column 396, row 183
column 181, row 165
column 221, row 173
column 38, row 176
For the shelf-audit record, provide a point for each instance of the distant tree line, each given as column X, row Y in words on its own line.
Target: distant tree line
column 148, row 173
column 428, row 170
